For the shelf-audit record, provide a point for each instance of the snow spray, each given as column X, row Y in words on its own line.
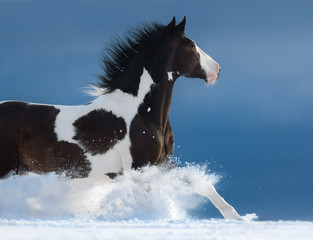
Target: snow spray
column 149, row 193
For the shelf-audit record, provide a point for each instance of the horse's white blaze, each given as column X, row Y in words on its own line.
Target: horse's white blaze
column 209, row 66
column 122, row 105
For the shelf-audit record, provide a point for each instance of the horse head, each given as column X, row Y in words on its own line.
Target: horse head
column 187, row 58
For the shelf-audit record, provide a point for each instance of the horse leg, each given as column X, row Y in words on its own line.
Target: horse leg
column 8, row 162
column 206, row 189
column 225, row 209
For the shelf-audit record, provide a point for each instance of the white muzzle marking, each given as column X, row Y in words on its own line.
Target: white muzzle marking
column 209, row 66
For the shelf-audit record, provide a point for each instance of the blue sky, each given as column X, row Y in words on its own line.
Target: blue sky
column 254, row 127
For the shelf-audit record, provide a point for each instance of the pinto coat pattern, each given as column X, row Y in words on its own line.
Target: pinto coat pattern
column 126, row 126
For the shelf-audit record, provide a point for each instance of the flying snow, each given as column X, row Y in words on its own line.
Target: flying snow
column 150, row 193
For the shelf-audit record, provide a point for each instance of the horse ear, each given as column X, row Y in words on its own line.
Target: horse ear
column 171, row 24
column 180, row 28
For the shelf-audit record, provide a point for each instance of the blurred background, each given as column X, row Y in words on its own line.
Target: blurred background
column 254, row 127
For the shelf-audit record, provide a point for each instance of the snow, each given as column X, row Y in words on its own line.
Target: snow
column 138, row 205
column 148, row 193
column 155, row 229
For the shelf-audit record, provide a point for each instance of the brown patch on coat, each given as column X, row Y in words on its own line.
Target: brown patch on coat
column 99, row 130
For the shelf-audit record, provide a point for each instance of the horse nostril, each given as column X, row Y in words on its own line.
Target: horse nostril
column 219, row 73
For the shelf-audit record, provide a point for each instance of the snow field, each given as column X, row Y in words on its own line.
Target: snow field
column 155, row 229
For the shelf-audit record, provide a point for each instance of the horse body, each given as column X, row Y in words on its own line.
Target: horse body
column 88, row 140
column 126, row 126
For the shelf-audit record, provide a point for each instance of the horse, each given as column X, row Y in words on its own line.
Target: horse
column 127, row 125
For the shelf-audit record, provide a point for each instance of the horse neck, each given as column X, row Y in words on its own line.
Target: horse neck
column 157, row 103
column 152, row 102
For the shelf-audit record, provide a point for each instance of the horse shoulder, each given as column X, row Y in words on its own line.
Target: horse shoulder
column 150, row 144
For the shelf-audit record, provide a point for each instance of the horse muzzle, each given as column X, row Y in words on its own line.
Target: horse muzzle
column 209, row 66
column 212, row 76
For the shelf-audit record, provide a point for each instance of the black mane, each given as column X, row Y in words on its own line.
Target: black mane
column 117, row 63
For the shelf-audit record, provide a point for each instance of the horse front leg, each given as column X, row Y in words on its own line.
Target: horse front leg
column 225, row 209
column 204, row 188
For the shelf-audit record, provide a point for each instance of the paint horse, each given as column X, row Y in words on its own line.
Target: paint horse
column 126, row 126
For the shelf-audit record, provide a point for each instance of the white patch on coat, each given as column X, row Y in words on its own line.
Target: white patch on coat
column 122, row 105
column 208, row 65
column 170, row 76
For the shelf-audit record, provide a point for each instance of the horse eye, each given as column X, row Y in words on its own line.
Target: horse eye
column 192, row 45
column 188, row 42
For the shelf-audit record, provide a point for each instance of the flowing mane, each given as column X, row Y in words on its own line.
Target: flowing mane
column 123, row 54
